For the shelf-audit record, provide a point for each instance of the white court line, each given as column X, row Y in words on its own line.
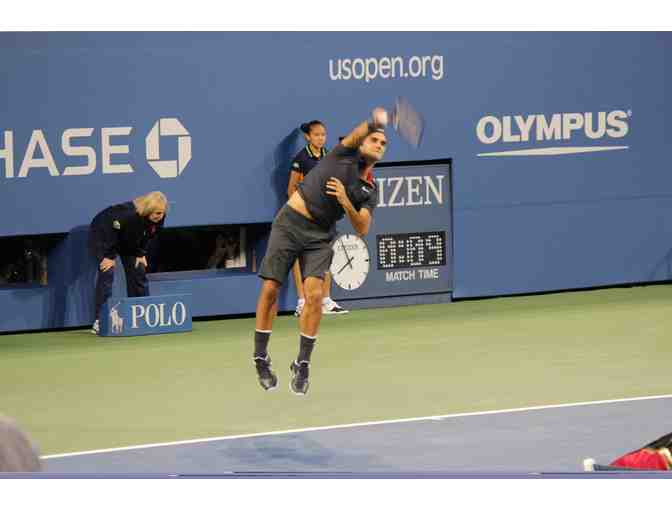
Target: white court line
column 362, row 424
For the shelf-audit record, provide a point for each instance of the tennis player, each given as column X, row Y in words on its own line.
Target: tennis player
column 341, row 184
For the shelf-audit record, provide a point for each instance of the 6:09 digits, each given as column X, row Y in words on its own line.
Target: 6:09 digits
column 411, row 250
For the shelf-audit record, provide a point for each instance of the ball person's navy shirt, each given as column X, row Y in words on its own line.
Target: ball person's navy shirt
column 345, row 164
column 305, row 160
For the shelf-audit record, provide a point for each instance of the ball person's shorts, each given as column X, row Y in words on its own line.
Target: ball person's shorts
column 295, row 236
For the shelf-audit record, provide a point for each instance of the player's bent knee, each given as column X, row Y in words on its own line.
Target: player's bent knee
column 269, row 290
column 313, row 291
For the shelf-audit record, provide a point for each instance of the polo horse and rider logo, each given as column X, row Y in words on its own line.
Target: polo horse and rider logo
column 117, row 320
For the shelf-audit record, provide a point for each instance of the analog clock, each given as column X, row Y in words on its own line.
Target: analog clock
column 350, row 265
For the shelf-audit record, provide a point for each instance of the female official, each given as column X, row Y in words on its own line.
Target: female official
column 125, row 230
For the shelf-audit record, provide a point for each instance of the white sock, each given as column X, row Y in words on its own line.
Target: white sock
column 301, row 302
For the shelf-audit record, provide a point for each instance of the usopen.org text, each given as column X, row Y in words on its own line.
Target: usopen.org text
column 371, row 68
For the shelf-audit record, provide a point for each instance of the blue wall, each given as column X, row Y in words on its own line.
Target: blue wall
column 521, row 223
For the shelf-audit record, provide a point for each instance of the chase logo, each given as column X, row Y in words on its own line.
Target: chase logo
column 84, row 151
column 168, row 169
column 537, row 129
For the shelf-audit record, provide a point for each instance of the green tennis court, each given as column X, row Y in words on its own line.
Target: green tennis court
column 73, row 391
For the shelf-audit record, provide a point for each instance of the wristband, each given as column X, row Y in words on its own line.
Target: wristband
column 374, row 127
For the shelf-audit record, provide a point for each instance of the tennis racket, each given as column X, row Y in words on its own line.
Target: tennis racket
column 407, row 121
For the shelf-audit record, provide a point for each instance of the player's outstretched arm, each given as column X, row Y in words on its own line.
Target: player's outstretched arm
column 379, row 119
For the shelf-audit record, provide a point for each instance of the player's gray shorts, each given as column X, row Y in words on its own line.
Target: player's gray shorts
column 295, row 236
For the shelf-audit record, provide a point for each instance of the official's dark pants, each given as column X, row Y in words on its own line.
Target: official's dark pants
column 136, row 282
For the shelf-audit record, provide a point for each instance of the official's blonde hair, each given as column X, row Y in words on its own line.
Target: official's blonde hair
column 147, row 204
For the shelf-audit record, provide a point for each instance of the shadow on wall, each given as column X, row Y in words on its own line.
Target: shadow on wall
column 663, row 269
column 72, row 280
column 281, row 162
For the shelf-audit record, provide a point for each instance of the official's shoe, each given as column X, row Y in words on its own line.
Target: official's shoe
column 299, row 383
column 267, row 378
column 299, row 308
column 95, row 328
column 331, row 307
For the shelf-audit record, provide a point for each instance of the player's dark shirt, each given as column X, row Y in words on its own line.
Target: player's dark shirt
column 120, row 230
column 344, row 164
column 305, row 160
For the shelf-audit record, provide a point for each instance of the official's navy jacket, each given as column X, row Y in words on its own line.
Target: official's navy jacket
column 120, row 230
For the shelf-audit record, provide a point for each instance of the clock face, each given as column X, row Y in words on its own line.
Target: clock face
column 350, row 265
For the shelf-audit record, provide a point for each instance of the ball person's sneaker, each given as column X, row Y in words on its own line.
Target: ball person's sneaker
column 331, row 307
column 267, row 378
column 299, row 307
column 95, row 328
column 299, row 383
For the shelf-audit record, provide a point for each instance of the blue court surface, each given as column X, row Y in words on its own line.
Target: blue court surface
column 544, row 439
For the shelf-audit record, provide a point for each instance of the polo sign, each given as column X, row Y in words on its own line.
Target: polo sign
column 146, row 315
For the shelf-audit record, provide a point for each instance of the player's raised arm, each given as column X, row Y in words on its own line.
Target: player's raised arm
column 379, row 119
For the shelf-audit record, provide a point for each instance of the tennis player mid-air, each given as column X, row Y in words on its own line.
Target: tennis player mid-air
column 341, row 184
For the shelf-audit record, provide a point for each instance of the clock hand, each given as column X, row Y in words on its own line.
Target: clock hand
column 348, row 263
column 346, row 254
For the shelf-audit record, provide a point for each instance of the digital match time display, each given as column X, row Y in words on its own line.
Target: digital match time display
column 415, row 249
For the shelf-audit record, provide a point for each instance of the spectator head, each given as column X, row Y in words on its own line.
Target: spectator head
column 17, row 452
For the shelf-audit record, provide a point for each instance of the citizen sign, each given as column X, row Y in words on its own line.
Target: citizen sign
column 93, row 149
column 410, row 191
